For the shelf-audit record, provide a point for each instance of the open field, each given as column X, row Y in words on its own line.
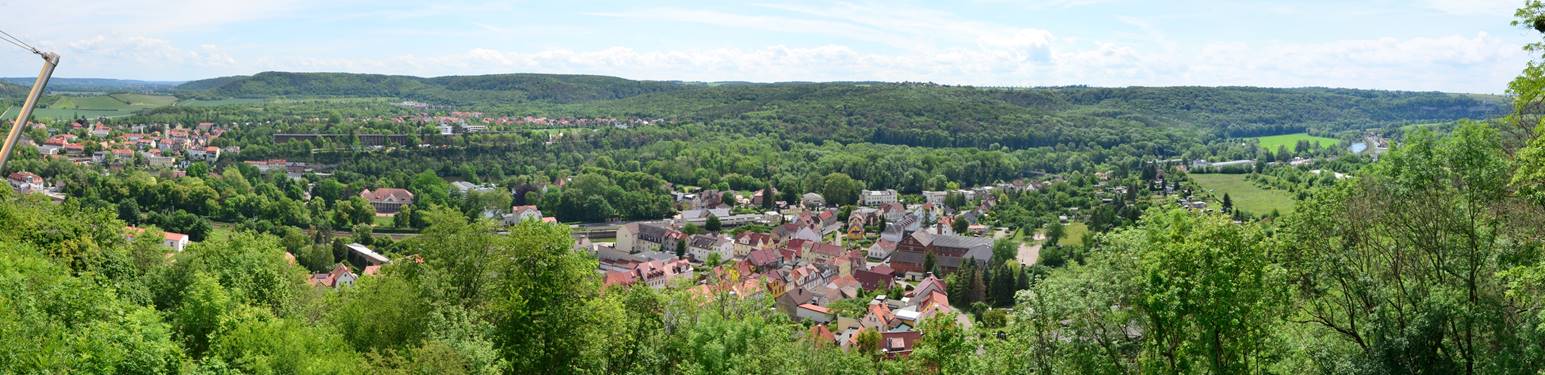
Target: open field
column 1246, row 196
column 1290, row 140
column 1073, row 234
column 66, row 114
column 219, row 102
column 93, row 106
column 144, row 100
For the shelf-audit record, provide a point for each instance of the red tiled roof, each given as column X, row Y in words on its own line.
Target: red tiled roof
column 384, row 193
column 826, row 249
column 816, row 308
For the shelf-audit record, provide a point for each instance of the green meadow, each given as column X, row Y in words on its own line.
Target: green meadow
column 1246, row 195
column 1290, row 140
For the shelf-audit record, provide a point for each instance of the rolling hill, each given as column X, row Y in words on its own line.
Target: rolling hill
column 452, row 89
column 897, row 113
column 58, row 84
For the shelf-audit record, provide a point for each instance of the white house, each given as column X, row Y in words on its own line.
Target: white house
column 175, row 241
column 519, row 214
column 881, row 249
column 700, row 246
column 26, row 182
column 935, row 197
column 814, row 313
column 875, row 198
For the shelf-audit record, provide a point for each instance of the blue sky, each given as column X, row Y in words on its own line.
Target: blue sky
column 1447, row 45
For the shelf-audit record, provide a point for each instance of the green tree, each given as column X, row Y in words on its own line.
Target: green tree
column 547, row 318
column 839, row 189
column 198, row 317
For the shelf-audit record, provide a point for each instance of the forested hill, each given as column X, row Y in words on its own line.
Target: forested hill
column 10, row 92
column 899, row 113
column 56, row 84
column 463, row 90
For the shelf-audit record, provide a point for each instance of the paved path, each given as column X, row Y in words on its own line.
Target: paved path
column 1028, row 253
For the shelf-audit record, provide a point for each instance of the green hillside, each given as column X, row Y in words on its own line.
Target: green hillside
column 898, row 113
column 1289, row 140
column 454, row 89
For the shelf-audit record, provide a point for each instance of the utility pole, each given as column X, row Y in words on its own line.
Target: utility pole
column 50, row 60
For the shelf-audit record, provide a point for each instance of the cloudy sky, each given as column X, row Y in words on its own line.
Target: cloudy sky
column 1448, row 45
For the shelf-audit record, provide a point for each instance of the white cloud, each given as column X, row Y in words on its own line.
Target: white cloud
column 73, row 19
column 1476, row 63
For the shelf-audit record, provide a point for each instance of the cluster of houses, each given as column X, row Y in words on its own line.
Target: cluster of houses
column 291, row 169
column 812, row 257
column 359, row 257
column 475, row 122
column 161, row 145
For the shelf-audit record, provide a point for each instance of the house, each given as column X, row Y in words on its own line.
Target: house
column 765, row 259
column 935, row 198
column 875, row 198
column 175, row 241
column 519, row 214
column 822, row 252
column 812, row 200
column 339, row 276
column 655, row 273
column 929, row 285
column 387, row 200
column 160, row 161
column 26, row 182
column 467, row 187
column 641, row 237
column 100, row 130
column 700, row 246
column 747, row 242
column 875, row 278
column 881, row 249
column 209, row 153
column 948, row 250
column 700, row 216
column 814, row 313
column 821, row 335
column 757, row 198
column 899, row 344
column 362, row 256
column 791, row 299
column 792, row 231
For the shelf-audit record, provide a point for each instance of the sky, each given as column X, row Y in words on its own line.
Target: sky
column 1441, row 45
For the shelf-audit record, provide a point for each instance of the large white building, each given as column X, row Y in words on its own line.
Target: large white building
column 874, row 198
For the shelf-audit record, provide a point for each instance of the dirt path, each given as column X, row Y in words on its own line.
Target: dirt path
column 1029, row 253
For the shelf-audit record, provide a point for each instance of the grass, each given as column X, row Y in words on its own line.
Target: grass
column 219, row 102
column 67, row 107
column 66, row 114
column 144, row 100
column 97, row 102
column 1290, row 140
column 383, row 221
column 1073, row 234
column 1246, row 195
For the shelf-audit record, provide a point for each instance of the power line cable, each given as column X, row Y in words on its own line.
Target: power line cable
column 18, row 42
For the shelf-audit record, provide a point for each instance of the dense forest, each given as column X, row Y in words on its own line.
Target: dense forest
column 899, row 113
